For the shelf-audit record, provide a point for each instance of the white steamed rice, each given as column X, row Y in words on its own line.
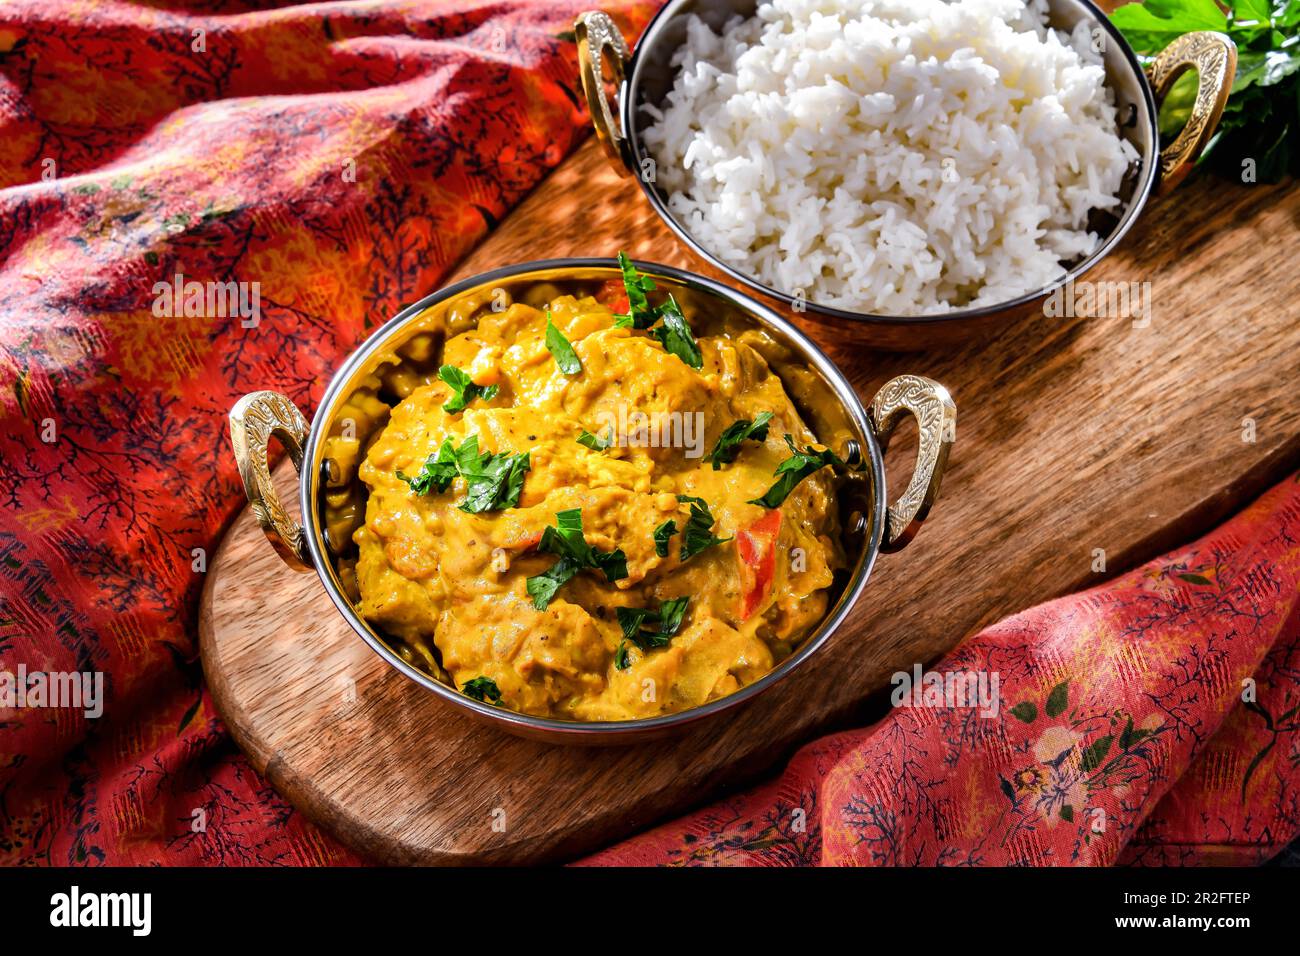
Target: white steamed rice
column 891, row 156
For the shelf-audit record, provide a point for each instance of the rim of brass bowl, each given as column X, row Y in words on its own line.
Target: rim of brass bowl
column 627, row 150
column 592, row 732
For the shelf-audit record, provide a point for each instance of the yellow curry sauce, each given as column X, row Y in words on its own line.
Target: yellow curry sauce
column 453, row 585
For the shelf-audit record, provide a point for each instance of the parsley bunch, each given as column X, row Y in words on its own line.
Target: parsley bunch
column 1262, row 119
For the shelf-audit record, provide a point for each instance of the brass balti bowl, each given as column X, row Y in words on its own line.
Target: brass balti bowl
column 823, row 396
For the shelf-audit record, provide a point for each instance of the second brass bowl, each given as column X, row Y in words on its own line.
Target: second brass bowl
column 645, row 76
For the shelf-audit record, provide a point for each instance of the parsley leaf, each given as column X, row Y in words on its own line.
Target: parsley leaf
column 566, row 540
column 662, row 534
column 793, row 470
column 494, row 482
column 727, row 446
column 482, row 688
column 596, row 442
column 671, row 614
column 631, row 620
column 674, row 334
column 634, row 619
column 641, row 314
column 465, row 389
column 439, row 470
column 698, row 533
column 559, row 346
column 542, row 587
column 613, row 564
column 620, row 656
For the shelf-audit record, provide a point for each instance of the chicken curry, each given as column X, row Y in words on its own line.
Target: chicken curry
column 589, row 513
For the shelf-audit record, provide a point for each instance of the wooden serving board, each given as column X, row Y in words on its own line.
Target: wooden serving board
column 1073, row 435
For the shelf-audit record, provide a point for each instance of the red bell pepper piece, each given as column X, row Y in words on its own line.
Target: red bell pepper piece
column 614, row 296
column 756, row 559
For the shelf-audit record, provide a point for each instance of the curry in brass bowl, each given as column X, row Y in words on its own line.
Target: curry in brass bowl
column 592, row 498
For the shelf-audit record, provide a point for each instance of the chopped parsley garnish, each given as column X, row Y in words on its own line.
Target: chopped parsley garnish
column 595, row 442
column 465, row 389
column 728, row 444
column 633, row 621
column 542, row 587
column 641, row 314
column 482, row 688
column 674, row 334
column 698, row 534
column 559, row 346
column 492, row 481
column 566, row 540
column 793, row 470
column 662, row 534
column 439, row 470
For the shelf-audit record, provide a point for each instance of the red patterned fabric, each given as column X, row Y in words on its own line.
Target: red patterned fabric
column 341, row 155
column 1152, row 720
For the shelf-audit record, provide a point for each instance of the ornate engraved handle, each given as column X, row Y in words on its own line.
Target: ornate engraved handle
column 936, row 420
column 598, row 34
column 254, row 419
column 1214, row 57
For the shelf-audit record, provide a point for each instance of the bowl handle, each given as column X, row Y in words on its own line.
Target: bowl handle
column 1214, row 57
column 254, row 419
column 936, row 422
column 598, row 34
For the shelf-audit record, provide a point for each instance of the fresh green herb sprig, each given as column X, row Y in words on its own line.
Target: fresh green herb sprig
column 492, row 481
column 728, row 444
column 440, row 469
column 1261, row 123
column 596, row 442
column 632, row 620
column 565, row 357
column 641, row 314
column 663, row 534
column 673, row 332
column 482, row 688
column 698, row 534
column 566, row 540
column 793, row 470
column 464, row 388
